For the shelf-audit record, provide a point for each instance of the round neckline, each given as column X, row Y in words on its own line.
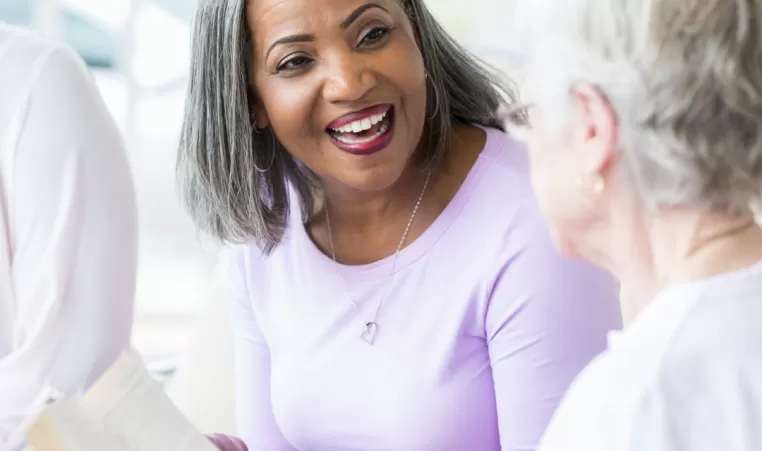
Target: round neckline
column 418, row 247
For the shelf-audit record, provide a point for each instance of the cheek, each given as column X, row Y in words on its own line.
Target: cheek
column 289, row 106
column 552, row 178
column 543, row 170
column 554, row 194
column 401, row 68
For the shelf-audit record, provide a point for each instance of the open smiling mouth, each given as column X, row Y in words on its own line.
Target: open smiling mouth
column 368, row 132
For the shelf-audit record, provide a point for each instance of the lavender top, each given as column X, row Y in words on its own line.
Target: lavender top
column 483, row 329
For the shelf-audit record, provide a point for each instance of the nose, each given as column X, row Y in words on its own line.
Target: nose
column 348, row 79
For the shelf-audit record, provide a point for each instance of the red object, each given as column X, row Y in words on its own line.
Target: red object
column 227, row 443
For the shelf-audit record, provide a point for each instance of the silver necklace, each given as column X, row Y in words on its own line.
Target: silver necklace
column 370, row 330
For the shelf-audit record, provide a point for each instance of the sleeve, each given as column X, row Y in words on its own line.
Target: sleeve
column 660, row 423
column 547, row 318
column 706, row 394
column 254, row 414
column 73, row 241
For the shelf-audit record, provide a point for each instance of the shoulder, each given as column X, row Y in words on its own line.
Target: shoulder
column 701, row 401
column 44, row 84
column 718, row 343
column 504, row 178
column 245, row 267
column 712, row 364
column 645, row 396
column 498, row 199
column 501, row 201
column 24, row 48
column 236, row 258
column 509, row 155
column 28, row 58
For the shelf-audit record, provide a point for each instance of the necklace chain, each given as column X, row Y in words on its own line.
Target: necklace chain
column 371, row 327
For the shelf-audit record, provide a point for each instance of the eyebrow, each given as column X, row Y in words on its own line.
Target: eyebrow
column 311, row 37
column 290, row 40
column 358, row 12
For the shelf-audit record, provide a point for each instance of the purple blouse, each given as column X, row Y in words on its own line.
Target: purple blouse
column 482, row 331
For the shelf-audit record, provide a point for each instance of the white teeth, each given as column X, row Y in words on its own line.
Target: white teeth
column 351, row 140
column 360, row 125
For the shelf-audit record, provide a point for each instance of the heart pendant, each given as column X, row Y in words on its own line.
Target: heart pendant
column 369, row 334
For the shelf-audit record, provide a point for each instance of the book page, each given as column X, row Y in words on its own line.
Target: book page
column 132, row 406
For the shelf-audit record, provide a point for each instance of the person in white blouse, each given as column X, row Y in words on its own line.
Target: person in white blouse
column 68, row 229
column 644, row 127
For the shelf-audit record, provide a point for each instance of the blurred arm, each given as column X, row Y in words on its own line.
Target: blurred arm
column 73, row 241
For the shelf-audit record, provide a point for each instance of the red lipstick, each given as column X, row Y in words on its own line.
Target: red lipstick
column 363, row 132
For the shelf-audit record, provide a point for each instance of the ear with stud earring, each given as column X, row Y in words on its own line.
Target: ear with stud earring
column 598, row 184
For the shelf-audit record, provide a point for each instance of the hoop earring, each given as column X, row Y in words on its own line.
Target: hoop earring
column 435, row 93
column 269, row 166
column 273, row 149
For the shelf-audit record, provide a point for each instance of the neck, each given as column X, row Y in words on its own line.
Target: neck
column 679, row 245
column 361, row 210
column 703, row 245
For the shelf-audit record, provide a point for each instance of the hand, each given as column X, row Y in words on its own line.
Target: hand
column 226, row 443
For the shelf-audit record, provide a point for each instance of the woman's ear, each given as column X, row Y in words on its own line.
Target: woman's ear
column 259, row 117
column 597, row 130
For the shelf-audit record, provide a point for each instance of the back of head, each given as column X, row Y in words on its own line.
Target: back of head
column 685, row 79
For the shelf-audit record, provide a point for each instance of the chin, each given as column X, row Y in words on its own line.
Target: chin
column 372, row 180
column 373, row 176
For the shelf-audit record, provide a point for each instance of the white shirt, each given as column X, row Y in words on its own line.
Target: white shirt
column 685, row 376
column 68, row 232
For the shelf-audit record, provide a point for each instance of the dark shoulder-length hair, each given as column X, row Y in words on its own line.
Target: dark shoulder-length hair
column 235, row 182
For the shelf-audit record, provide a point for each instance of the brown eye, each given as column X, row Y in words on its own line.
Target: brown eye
column 294, row 63
column 375, row 36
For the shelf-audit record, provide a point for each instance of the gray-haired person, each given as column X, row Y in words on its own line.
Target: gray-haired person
column 645, row 136
column 393, row 285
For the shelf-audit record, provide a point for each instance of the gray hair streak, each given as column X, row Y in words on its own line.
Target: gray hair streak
column 235, row 182
column 685, row 79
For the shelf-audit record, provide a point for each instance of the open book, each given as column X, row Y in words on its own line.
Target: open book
column 126, row 410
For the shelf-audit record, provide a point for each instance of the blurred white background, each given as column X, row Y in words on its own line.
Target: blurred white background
column 138, row 51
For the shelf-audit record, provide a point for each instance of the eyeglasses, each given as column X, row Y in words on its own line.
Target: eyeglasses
column 516, row 121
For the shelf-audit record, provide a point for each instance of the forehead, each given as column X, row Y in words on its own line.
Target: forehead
column 269, row 19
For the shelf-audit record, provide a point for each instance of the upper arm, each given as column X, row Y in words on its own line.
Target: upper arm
column 547, row 318
column 256, row 421
column 73, row 239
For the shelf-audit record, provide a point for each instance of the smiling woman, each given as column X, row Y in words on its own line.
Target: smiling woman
column 348, row 152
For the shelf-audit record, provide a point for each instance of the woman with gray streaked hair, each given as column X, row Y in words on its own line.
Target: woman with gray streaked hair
column 392, row 284
column 645, row 137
